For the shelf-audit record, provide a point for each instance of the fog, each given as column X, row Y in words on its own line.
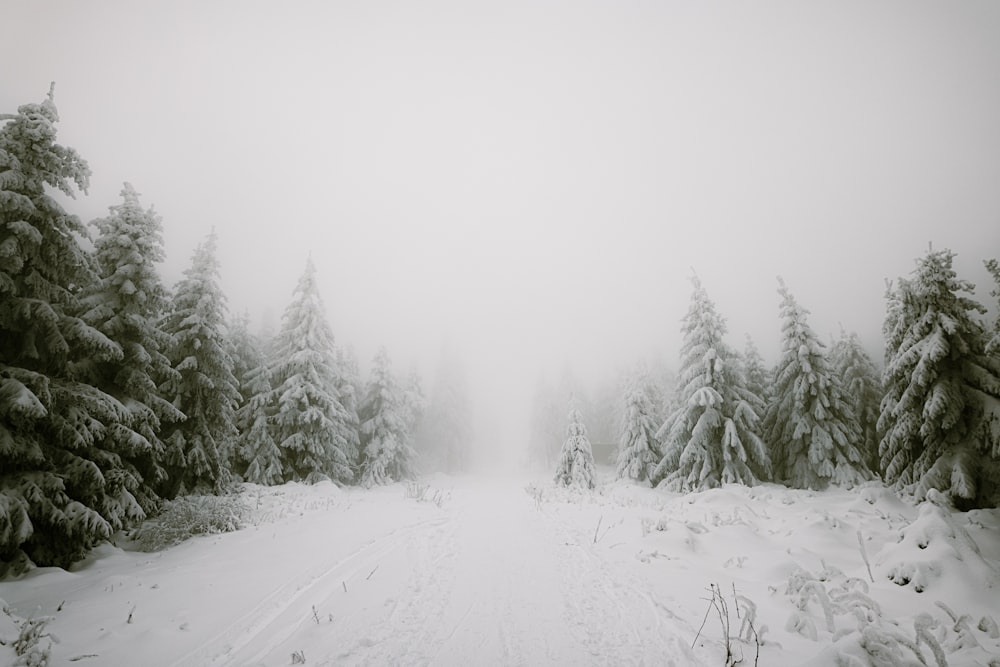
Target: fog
column 531, row 184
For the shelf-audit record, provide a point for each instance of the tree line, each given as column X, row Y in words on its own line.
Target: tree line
column 930, row 419
column 117, row 393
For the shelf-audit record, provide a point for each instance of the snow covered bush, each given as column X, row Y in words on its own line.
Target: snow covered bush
column 940, row 417
column 712, row 437
column 932, row 546
column 811, row 428
column 576, row 460
column 187, row 516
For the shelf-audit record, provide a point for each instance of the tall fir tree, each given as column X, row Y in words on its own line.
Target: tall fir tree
column 993, row 340
column 756, row 373
column 810, row 425
column 638, row 450
column 350, row 390
column 64, row 482
column 386, row 453
column 126, row 303
column 862, row 385
column 712, row 437
column 575, row 466
column 939, row 415
column 313, row 429
column 257, row 448
column 205, row 389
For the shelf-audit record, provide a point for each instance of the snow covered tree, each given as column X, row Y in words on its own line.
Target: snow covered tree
column 126, row 304
column 386, row 454
column 712, row 437
column 938, row 416
column 810, row 425
column 64, row 485
column 205, row 389
column 575, row 466
column 993, row 343
column 638, row 452
column 313, row 429
column 755, row 372
column 862, row 386
column 350, row 390
column 257, row 447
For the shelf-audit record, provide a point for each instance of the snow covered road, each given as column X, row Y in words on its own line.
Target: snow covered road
column 501, row 572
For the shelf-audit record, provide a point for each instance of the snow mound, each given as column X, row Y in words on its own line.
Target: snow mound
column 934, row 548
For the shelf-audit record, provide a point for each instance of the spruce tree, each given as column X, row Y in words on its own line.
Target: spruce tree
column 810, row 425
column 939, row 414
column 447, row 427
column 205, row 389
column 126, row 304
column 350, row 390
column 756, row 373
column 386, row 453
column 313, row 429
column 711, row 438
column 993, row 339
column 254, row 420
column 575, row 466
column 862, row 386
column 638, row 452
column 65, row 478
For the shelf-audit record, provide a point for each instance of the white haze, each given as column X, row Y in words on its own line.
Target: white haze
column 534, row 181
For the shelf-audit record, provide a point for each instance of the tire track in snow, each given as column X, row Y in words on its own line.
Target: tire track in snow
column 264, row 616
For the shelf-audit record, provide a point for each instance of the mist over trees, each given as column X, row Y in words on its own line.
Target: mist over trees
column 117, row 393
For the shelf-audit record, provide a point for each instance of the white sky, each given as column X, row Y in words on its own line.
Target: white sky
column 536, row 178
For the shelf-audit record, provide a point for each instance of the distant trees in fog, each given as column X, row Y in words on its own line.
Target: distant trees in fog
column 929, row 420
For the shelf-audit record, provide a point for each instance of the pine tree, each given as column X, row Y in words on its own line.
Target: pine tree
column 756, row 373
column 809, row 424
column 862, row 386
column 350, row 390
column 941, row 388
column 64, row 486
column 313, row 429
column 638, row 452
column 126, row 304
column 386, row 454
column 254, row 421
column 205, row 389
column 711, row 438
column 993, row 343
column 576, row 460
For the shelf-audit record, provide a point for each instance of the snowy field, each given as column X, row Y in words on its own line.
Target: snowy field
column 515, row 572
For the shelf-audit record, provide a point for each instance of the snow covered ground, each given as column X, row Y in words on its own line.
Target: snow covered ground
column 515, row 572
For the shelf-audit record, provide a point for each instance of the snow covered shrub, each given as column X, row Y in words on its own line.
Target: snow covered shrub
column 188, row 516
column 576, row 460
column 33, row 645
column 933, row 545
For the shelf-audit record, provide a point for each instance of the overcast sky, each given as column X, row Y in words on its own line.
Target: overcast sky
column 536, row 178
